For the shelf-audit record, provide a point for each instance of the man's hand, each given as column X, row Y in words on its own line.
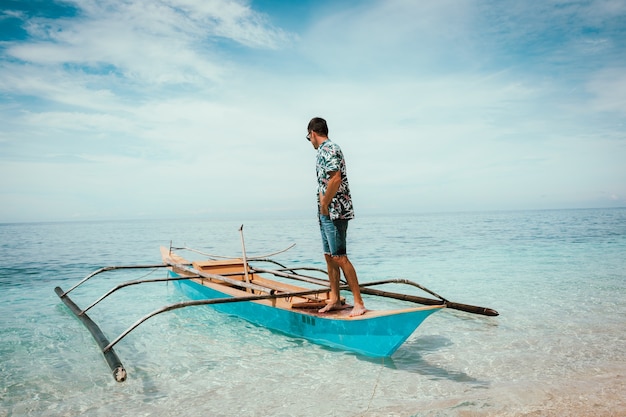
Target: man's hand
column 331, row 189
column 323, row 206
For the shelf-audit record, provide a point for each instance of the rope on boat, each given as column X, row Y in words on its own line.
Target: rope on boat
column 213, row 256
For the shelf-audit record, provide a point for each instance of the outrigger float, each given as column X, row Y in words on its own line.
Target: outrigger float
column 239, row 287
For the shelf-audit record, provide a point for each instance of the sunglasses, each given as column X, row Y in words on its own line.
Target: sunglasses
column 308, row 137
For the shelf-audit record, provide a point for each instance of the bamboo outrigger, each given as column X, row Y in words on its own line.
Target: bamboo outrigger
column 237, row 287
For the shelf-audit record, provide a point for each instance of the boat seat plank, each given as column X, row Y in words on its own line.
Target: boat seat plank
column 233, row 268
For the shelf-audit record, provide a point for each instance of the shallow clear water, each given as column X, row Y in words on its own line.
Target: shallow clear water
column 558, row 279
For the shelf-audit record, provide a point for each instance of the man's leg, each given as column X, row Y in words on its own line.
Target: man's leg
column 334, row 302
column 329, row 244
column 353, row 282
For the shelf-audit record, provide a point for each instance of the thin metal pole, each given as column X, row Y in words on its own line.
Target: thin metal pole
column 245, row 260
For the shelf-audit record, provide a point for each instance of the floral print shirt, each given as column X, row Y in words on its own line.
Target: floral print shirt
column 330, row 159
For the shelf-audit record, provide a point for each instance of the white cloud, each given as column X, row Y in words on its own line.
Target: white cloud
column 148, row 42
column 141, row 100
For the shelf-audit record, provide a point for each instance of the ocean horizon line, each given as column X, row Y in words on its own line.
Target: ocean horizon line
column 293, row 215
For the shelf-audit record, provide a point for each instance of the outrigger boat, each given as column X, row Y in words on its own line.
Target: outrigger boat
column 241, row 288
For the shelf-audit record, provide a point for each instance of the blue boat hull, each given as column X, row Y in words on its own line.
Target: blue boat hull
column 376, row 334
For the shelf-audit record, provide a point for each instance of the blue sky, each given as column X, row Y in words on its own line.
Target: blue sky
column 192, row 108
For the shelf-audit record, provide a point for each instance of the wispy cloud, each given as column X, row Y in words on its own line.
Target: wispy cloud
column 144, row 41
column 438, row 104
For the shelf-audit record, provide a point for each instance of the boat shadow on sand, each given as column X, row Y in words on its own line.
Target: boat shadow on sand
column 411, row 357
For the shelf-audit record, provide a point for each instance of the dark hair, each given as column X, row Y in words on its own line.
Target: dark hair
column 319, row 126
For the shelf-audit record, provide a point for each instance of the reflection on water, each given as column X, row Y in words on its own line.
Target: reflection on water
column 413, row 357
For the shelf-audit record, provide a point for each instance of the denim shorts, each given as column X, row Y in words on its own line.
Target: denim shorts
column 333, row 235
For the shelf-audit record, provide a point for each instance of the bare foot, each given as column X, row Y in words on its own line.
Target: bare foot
column 331, row 306
column 358, row 310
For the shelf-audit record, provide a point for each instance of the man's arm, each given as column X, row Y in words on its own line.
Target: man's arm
column 331, row 189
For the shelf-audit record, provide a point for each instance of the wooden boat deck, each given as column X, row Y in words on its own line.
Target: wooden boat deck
column 234, row 270
column 216, row 270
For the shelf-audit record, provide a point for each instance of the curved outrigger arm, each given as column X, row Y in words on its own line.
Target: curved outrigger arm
column 321, row 281
column 112, row 268
column 197, row 274
column 485, row 311
column 135, row 282
column 119, row 372
column 204, row 302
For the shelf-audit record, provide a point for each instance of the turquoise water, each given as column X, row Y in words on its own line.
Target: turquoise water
column 558, row 279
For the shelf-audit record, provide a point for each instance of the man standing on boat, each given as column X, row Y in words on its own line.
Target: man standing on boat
column 334, row 210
